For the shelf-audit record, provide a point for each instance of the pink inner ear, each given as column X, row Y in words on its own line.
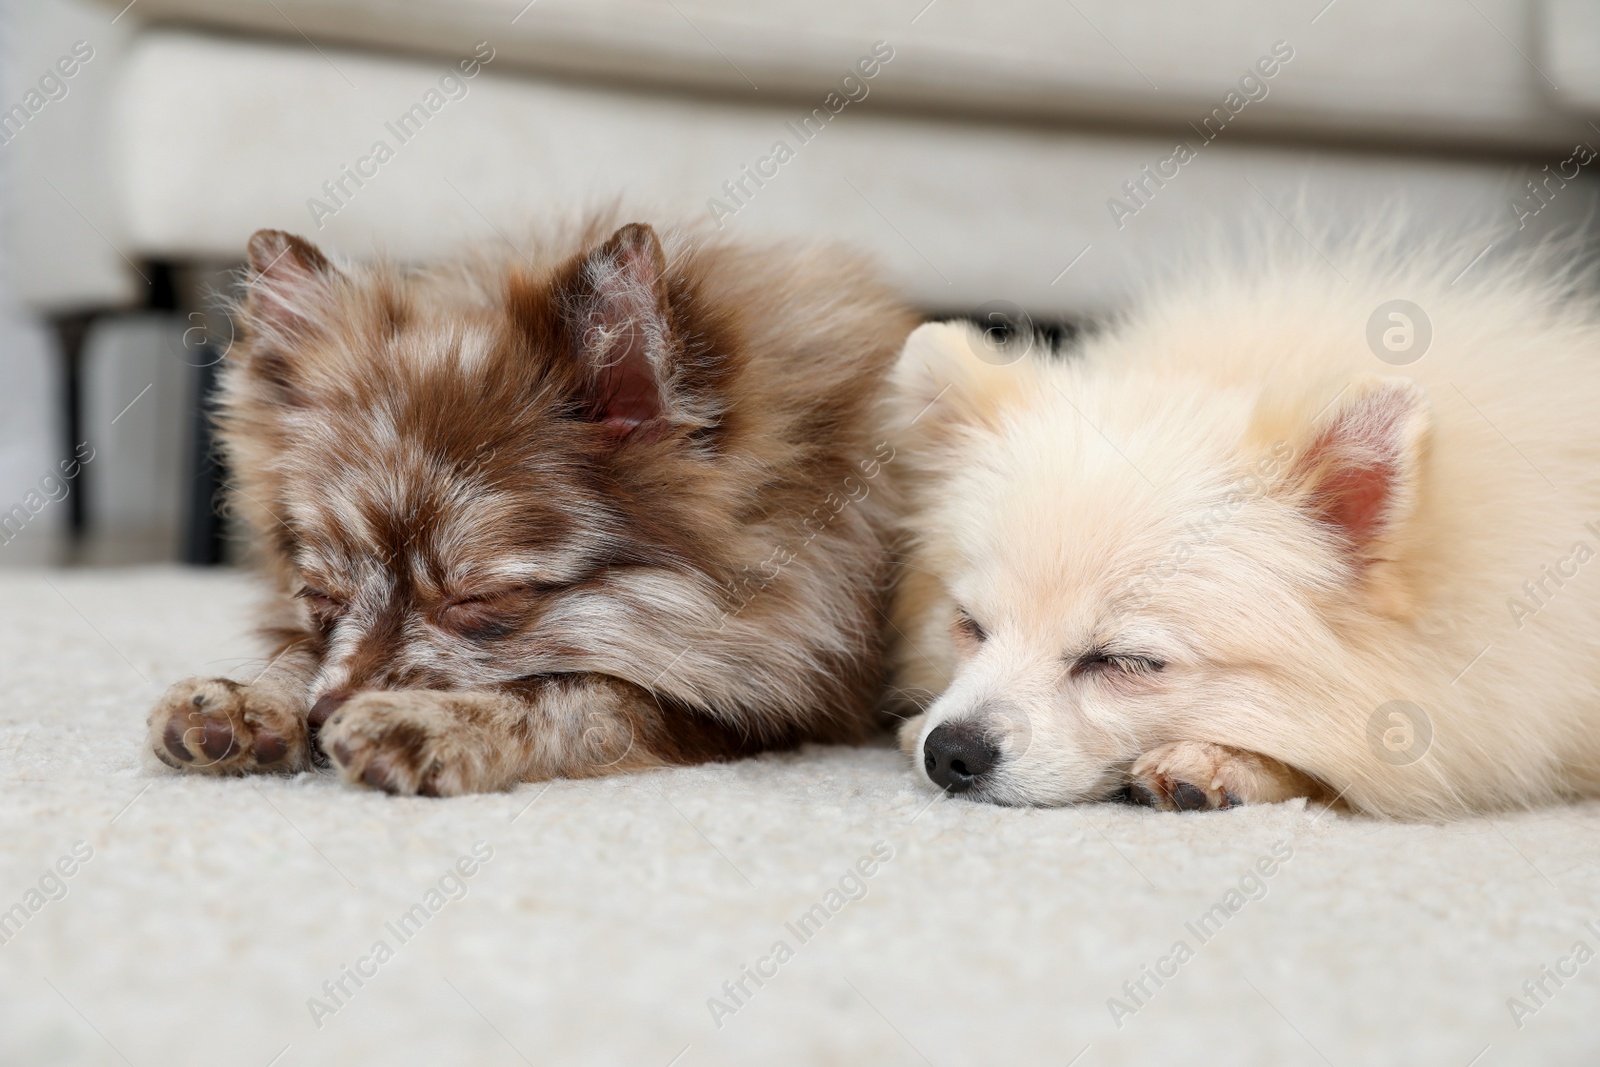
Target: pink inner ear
column 627, row 395
column 1360, row 462
column 628, row 335
column 1354, row 499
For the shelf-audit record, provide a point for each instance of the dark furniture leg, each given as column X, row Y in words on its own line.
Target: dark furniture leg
column 203, row 526
column 72, row 330
column 199, row 290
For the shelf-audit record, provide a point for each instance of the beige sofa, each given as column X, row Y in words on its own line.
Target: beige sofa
column 1025, row 152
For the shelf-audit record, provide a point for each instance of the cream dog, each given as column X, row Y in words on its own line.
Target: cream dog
column 1274, row 534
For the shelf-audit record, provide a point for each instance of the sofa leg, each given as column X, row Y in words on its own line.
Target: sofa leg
column 203, row 526
column 208, row 340
column 72, row 330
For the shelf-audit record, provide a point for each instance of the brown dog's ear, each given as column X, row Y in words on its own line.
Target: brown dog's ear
column 289, row 282
column 620, row 324
column 288, row 292
column 1359, row 473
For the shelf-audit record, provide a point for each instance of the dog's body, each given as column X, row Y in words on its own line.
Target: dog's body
column 598, row 512
column 1225, row 554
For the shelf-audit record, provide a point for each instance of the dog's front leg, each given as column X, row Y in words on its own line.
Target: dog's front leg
column 442, row 743
column 1198, row 775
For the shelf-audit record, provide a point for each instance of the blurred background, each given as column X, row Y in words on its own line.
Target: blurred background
column 1032, row 159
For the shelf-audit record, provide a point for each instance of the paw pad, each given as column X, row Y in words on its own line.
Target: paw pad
column 218, row 726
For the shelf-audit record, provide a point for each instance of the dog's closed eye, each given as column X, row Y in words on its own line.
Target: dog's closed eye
column 487, row 616
column 1098, row 660
column 323, row 604
column 968, row 629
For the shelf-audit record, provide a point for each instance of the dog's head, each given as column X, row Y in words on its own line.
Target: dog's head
column 453, row 472
column 1109, row 555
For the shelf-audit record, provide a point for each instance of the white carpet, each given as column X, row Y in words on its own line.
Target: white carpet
column 612, row 910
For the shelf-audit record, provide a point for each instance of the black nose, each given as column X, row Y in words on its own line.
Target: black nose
column 956, row 755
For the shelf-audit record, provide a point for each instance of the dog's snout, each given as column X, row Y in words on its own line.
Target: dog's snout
column 956, row 754
column 325, row 706
column 320, row 712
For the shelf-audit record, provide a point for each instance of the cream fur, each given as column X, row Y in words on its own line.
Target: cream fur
column 1068, row 502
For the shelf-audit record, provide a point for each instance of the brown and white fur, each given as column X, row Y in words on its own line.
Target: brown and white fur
column 1220, row 553
column 601, row 511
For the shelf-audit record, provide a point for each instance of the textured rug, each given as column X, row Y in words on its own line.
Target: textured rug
column 819, row 907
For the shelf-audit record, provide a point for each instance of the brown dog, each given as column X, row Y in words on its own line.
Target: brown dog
column 611, row 510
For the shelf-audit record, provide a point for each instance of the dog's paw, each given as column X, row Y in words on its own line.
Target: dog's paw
column 1200, row 776
column 219, row 726
column 412, row 742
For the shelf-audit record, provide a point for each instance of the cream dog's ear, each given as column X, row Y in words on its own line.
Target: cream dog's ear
column 1359, row 470
column 954, row 375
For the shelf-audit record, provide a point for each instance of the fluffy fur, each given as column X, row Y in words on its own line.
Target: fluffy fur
column 1201, row 556
column 609, row 509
